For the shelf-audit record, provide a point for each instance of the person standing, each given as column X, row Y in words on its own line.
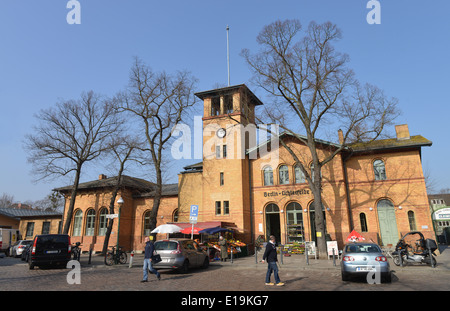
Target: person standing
column 270, row 255
column 223, row 249
column 149, row 249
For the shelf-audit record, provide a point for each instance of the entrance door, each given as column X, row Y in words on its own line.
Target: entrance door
column 273, row 222
column 388, row 223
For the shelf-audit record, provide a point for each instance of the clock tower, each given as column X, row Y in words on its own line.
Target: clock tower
column 228, row 130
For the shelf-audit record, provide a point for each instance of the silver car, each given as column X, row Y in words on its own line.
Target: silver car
column 180, row 254
column 359, row 259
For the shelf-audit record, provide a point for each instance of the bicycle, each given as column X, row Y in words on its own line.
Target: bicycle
column 115, row 256
column 76, row 251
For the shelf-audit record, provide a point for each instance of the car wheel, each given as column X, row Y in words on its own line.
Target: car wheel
column 30, row 265
column 345, row 276
column 386, row 277
column 185, row 267
column 205, row 263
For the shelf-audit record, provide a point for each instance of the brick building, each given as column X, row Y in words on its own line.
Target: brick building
column 377, row 188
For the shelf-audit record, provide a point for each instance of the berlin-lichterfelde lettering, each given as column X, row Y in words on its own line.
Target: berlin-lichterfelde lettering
column 286, row 193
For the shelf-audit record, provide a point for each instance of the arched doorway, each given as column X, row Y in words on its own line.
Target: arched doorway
column 387, row 221
column 273, row 222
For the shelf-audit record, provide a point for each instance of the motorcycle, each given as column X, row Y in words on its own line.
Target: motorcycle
column 418, row 250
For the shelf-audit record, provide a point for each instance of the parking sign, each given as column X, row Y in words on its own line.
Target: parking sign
column 193, row 214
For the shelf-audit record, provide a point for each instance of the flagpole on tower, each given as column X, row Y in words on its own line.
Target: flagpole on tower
column 228, row 55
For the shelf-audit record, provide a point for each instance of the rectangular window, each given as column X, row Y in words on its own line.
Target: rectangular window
column 221, row 179
column 46, row 227
column 224, row 151
column 30, row 228
column 228, row 103
column 217, row 152
column 226, row 207
column 218, row 208
column 215, row 106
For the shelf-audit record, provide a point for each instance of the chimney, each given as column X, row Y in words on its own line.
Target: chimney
column 341, row 136
column 402, row 132
column 102, row 176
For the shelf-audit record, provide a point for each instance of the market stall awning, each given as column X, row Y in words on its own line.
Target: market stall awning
column 215, row 230
column 205, row 224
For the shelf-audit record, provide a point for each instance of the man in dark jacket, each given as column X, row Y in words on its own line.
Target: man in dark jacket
column 270, row 254
column 149, row 249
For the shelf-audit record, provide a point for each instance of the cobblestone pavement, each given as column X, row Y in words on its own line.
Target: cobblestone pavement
column 241, row 275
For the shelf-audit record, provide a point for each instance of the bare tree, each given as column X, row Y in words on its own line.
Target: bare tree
column 69, row 135
column 313, row 90
column 122, row 150
column 6, row 200
column 159, row 101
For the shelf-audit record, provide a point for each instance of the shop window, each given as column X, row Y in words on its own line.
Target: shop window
column 77, row 220
column 215, row 106
column 102, row 223
column 363, row 222
column 90, row 223
column 299, row 176
column 268, row 176
column 46, row 227
column 147, row 229
column 412, row 221
column 379, row 170
column 218, row 208
column 226, row 207
column 294, row 221
column 284, row 175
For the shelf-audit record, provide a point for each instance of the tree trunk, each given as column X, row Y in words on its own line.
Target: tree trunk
column 72, row 200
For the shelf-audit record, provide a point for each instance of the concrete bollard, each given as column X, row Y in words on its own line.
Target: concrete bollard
column 131, row 259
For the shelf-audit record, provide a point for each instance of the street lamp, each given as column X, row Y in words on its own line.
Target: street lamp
column 120, row 202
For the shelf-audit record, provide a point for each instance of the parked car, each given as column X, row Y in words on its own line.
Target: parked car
column 358, row 259
column 18, row 247
column 180, row 254
column 49, row 249
column 26, row 253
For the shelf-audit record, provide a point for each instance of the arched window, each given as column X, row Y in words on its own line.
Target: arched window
column 363, row 221
column 272, row 208
column 284, row 175
column 379, row 170
column 90, row 223
column 268, row 176
column 294, row 214
column 77, row 221
column 102, row 222
column 147, row 223
column 175, row 215
column 412, row 221
column 299, row 176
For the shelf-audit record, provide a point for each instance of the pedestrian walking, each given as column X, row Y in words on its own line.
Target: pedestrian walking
column 270, row 255
column 149, row 249
column 223, row 249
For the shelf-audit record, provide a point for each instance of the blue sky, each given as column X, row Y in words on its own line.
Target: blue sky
column 44, row 59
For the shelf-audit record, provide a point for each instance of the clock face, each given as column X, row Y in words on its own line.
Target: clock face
column 221, row 133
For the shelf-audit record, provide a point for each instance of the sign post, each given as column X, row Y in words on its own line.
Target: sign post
column 193, row 215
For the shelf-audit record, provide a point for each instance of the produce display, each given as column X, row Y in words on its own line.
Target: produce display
column 294, row 248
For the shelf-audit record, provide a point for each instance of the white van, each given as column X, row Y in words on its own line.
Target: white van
column 7, row 238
